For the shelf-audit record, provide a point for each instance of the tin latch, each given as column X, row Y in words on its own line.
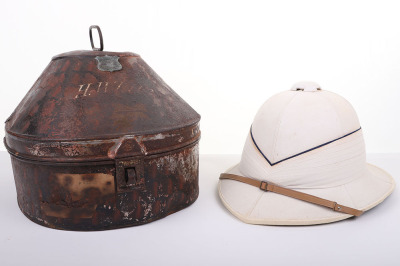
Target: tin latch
column 129, row 174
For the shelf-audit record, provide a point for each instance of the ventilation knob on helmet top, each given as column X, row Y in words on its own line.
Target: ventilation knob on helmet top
column 306, row 86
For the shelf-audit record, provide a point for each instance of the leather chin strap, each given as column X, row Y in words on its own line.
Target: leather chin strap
column 292, row 193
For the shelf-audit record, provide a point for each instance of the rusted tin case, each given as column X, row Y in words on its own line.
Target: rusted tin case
column 101, row 141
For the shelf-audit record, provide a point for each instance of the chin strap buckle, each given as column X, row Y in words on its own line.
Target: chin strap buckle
column 264, row 186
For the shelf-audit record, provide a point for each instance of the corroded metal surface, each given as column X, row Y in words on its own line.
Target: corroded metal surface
column 96, row 150
column 85, row 197
column 100, row 150
column 73, row 100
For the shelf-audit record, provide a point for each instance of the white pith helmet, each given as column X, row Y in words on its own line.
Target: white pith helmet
column 309, row 140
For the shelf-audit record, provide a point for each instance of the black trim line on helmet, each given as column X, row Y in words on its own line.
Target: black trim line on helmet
column 319, row 146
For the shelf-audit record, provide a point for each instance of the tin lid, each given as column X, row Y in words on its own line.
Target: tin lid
column 95, row 96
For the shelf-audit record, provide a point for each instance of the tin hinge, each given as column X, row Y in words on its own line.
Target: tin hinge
column 129, row 174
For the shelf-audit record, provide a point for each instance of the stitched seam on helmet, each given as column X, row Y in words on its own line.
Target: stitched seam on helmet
column 278, row 128
column 255, row 204
column 334, row 107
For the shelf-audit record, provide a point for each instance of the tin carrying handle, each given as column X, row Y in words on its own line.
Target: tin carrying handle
column 100, row 37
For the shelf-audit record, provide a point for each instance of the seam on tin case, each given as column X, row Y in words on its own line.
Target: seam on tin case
column 99, row 162
column 106, row 136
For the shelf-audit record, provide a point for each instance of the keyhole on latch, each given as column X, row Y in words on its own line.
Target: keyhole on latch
column 130, row 176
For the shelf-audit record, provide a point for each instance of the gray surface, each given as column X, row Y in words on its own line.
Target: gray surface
column 205, row 233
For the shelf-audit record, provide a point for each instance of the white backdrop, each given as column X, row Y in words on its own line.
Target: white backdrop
column 225, row 58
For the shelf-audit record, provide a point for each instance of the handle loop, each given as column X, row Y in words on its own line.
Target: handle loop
column 100, row 37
